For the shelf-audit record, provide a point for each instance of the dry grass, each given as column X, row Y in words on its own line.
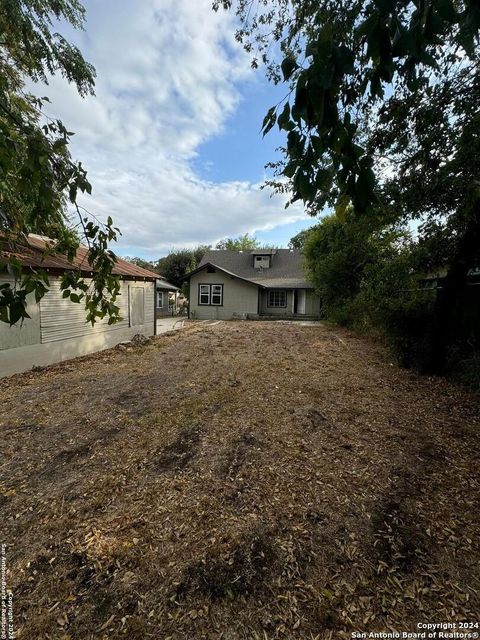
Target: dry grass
column 241, row 480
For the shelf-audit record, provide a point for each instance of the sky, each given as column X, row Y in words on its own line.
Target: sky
column 171, row 140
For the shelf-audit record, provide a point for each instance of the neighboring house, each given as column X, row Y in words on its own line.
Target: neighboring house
column 57, row 329
column 166, row 298
column 435, row 280
column 250, row 284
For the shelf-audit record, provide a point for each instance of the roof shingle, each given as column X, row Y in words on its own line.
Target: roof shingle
column 286, row 270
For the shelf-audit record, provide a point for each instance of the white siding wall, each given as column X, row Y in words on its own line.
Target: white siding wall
column 58, row 330
column 62, row 319
column 239, row 297
column 28, row 332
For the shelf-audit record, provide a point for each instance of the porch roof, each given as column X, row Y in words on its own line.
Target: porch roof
column 283, row 283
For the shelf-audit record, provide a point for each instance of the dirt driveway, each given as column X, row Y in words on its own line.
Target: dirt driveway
column 238, row 480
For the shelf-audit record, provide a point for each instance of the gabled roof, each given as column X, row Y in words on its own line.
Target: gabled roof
column 31, row 255
column 286, row 270
column 215, row 266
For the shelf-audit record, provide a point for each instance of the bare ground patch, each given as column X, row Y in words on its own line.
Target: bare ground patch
column 239, row 480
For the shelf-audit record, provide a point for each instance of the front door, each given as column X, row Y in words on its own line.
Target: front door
column 300, row 297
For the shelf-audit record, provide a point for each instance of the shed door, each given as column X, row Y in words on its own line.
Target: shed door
column 136, row 299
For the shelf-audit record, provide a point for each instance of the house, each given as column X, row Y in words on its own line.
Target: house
column 166, row 298
column 57, row 328
column 252, row 284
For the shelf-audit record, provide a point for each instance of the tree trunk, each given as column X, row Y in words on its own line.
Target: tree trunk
column 442, row 329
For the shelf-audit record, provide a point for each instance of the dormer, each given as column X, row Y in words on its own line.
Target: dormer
column 261, row 262
column 262, row 258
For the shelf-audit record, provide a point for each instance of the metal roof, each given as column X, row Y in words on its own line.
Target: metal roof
column 32, row 255
column 164, row 284
column 286, row 270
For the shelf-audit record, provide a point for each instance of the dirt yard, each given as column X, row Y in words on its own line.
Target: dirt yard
column 238, row 481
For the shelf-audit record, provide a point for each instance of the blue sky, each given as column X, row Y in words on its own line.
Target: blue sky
column 172, row 138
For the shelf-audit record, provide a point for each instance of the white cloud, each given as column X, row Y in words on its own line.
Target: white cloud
column 168, row 72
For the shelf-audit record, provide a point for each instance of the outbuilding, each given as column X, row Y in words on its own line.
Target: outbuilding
column 57, row 329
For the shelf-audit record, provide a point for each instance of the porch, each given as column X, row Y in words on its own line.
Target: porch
column 298, row 303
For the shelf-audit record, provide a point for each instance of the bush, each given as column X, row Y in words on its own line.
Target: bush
column 467, row 371
column 405, row 322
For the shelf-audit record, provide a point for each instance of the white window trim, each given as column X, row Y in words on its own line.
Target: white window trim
column 160, row 293
column 208, row 290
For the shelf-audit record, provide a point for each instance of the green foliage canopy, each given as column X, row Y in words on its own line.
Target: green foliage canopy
column 339, row 251
column 242, row 243
column 39, row 181
column 382, row 108
column 341, row 60
column 177, row 263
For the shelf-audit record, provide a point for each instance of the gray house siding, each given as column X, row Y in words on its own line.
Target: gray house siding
column 239, row 297
column 58, row 331
column 276, row 311
column 164, row 308
column 312, row 304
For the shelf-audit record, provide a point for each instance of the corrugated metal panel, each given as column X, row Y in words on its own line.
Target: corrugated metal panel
column 61, row 319
column 32, row 256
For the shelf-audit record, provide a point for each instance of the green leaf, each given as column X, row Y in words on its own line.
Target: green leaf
column 284, row 118
column 446, row 9
column 269, row 120
column 301, row 101
column 288, row 66
column 289, row 170
column 304, row 187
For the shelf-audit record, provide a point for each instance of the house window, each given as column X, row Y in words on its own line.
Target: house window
column 203, row 294
column 277, row 298
column 262, row 262
column 211, row 294
column 159, row 299
column 217, row 294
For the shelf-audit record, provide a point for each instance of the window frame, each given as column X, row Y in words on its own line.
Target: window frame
column 209, row 287
column 160, row 293
column 276, row 306
column 262, row 261
column 220, row 293
column 200, row 294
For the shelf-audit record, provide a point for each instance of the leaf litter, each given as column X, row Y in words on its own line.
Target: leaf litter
column 238, row 480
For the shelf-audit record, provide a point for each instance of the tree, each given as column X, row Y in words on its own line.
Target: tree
column 298, row 241
column 39, row 181
column 434, row 139
column 348, row 66
column 338, row 252
column 242, row 243
column 141, row 262
column 177, row 263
